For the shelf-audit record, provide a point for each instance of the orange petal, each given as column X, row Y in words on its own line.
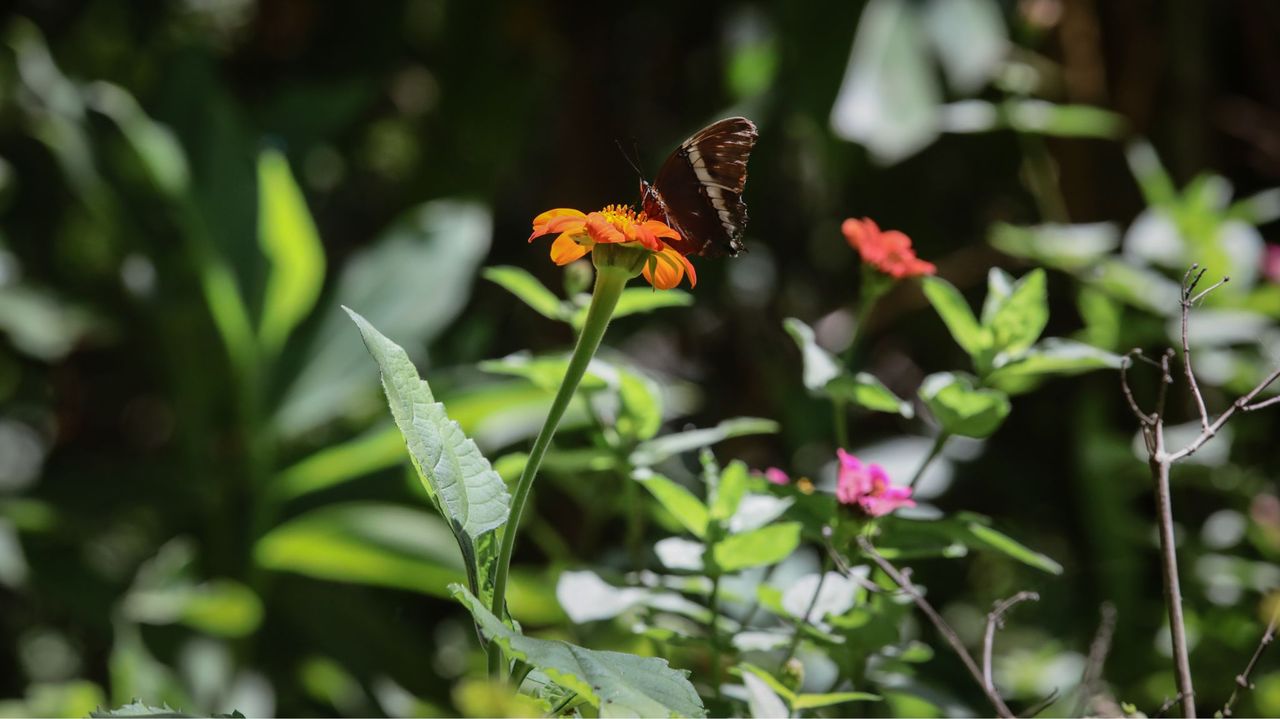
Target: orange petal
column 564, row 250
column 602, row 230
column 665, row 269
column 688, row 267
column 645, row 236
column 660, row 229
column 558, row 220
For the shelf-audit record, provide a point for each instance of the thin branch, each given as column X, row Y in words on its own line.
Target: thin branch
column 1242, row 403
column 1242, row 679
column 1098, row 650
column 904, row 582
column 1187, row 289
column 1260, row 405
column 995, row 620
column 1169, row 569
column 1166, row 379
column 804, row 620
column 1168, row 704
column 1125, row 363
column 1035, row 709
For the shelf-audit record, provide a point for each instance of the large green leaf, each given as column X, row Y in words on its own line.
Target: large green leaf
column 1065, row 247
column 956, row 315
column 641, row 300
column 729, row 491
column 758, row 548
column 680, row 502
column 1007, row 545
column 961, row 407
column 366, row 543
column 824, row 376
column 617, row 684
column 527, row 289
column 290, row 241
column 660, row 448
column 1015, row 313
column 819, row 365
column 865, row 390
column 470, row 494
column 410, row 283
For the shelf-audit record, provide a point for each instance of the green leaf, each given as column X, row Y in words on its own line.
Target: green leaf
column 1057, row 120
column 527, row 289
column 640, row 414
column 1157, row 186
column 865, row 390
column 680, row 502
column 813, row 701
column 758, row 548
column 1008, row 546
column 615, row 683
column 769, row 680
column 641, row 300
column 410, row 283
column 378, row 544
column 970, row 39
column 379, row 448
column 221, row 607
column 1015, row 314
column 1052, row 357
column 956, row 315
column 1136, row 286
column 961, row 407
column 729, row 491
column 547, row 372
column 820, row 367
column 656, row 450
column 290, row 241
column 455, row 473
column 888, row 100
column 1066, row 247
column 762, row 701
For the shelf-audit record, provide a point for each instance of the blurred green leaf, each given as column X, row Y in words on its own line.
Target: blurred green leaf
column 1015, row 314
column 864, row 390
column 1136, row 286
column 41, row 324
column 1057, row 120
column 640, row 300
column 1102, row 317
column 1010, row 547
column 661, row 448
column 158, row 151
column 729, row 491
column 956, row 315
column 547, row 371
column 221, row 607
column 961, row 407
column 527, row 289
column 820, row 367
column 1051, row 357
column 640, row 414
column 762, row 700
column 757, row 548
column 1064, row 247
column 290, row 241
column 379, row 448
column 366, row 543
column 888, row 100
column 410, row 284
column 467, row 490
column 680, row 502
column 815, row 701
column 1154, row 181
column 970, row 39
column 617, row 684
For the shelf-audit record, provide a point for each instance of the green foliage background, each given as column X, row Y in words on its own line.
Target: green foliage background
column 203, row 501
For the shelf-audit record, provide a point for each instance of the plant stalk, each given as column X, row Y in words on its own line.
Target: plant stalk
column 1172, row 587
column 609, row 284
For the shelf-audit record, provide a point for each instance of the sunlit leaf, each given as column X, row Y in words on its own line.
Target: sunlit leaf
column 1008, row 546
column 820, row 367
column 970, row 39
column 762, row 701
column 757, row 548
column 956, row 315
column 660, row 448
column 1015, row 314
column 865, row 390
column 640, row 413
column 617, row 684
column 527, row 289
column 1065, row 247
column 961, row 407
column 729, row 491
column 814, row 701
column 888, row 100
column 1058, row 120
column 680, row 502
column 290, row 241
column 366, row 543
column 1051, row 357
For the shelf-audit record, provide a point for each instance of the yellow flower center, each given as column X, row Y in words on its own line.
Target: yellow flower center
column 622, row 216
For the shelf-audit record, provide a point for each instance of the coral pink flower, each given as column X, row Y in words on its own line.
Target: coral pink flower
column 868, row 487
column 889, row 252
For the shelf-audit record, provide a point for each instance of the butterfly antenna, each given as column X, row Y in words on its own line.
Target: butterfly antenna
column 630, row 161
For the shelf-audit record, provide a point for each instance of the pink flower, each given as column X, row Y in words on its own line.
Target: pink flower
column 1271, row 263
column 867, row 486
column 776, row 476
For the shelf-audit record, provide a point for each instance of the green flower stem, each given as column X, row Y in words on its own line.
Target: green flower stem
column 609, row 283
column 874, row 286
column 934, row 451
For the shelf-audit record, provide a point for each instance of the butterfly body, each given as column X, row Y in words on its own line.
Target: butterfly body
column 698, row 190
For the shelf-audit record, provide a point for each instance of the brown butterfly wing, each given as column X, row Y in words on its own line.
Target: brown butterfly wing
column 698, row 191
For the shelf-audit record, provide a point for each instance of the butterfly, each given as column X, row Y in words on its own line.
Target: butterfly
column 698, row 190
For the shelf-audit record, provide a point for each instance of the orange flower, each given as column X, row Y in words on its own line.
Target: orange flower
column 578, row 233
column 889, row 252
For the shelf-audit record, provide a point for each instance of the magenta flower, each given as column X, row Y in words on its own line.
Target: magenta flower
column 1271, row 264
column 868, row 487
column 776, row 476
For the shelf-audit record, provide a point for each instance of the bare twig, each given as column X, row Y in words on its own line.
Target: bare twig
column 1168, row 704
column 1242, row 679
column 1187, row 289
column 1172, row 584
column 995, row 620
column 1125, row 363
column 1244, row 403
column 904, row 582
column 1098, row 650
column 1041, row 705
column 1260, row 405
